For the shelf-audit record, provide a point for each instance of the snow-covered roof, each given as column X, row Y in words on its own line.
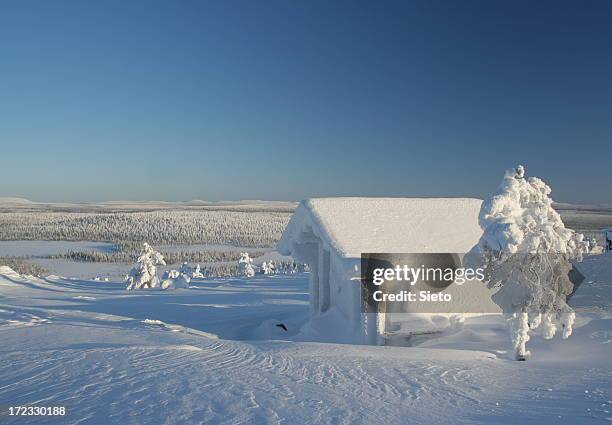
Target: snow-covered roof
column 352, row 226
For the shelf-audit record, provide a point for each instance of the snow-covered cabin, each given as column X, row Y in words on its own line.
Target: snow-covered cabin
column 607, row 234
column 330, row 234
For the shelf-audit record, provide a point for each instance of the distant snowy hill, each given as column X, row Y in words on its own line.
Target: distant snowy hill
column 24, row 204
column 8, row 200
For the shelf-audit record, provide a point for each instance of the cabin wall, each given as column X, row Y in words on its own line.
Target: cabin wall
column 335, row 290
column 342, row 290
column 335, row 295
column 324, row 279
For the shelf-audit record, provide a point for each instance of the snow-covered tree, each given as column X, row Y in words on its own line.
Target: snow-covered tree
column 176, row 282
column 245, row 265
column 267, row 268
column 144, row 273
column 271, row 267
column 527, row 251
column 594, row 247
column 197, row 272
column 174, row 279
column 250, row 227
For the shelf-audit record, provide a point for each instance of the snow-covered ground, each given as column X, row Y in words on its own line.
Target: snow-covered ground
column 213, row 354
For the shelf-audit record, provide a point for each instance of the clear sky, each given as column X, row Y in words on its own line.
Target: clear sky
column 178, row 100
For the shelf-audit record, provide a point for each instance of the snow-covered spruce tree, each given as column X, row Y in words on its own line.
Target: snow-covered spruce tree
column 267, row 268
column 175, row 279
column 245, row 265
column 197, row 272
column 527, row 251
column 271, row 267
column 144, row 273
column 179, row 280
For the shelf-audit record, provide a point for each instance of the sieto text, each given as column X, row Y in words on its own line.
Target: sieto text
column 407, row 296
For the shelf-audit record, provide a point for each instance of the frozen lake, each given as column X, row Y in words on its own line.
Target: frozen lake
column 45, row 248
column 38, row 250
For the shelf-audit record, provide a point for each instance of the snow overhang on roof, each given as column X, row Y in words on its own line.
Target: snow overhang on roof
column 351, row 226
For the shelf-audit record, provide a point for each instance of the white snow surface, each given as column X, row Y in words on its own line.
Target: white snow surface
column 213, row 354
column 411, row 225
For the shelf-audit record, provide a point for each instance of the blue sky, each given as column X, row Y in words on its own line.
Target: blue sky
column 178, row 100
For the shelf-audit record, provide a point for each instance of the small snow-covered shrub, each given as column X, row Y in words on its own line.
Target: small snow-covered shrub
column 174, row 279
column 181, row 281
column 283, row 267
column 527, row 251
column 245, row 265
column 144, row 273
column 267, row 268
column 197, row 273
column 594, row 248
column 191, row 272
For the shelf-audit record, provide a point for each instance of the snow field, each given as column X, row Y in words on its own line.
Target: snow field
column 197, row 356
